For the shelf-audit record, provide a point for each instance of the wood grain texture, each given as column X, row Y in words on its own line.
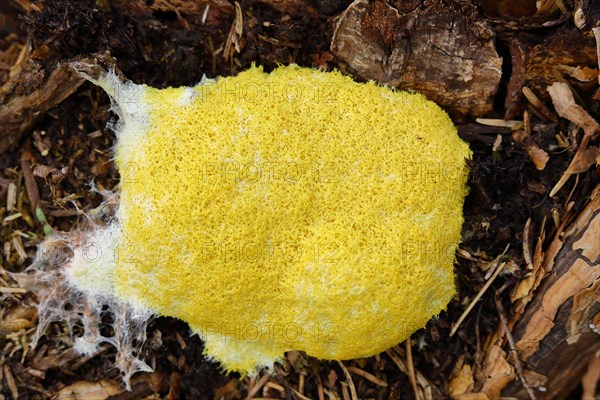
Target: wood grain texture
column 559, row 333
column 442, row 49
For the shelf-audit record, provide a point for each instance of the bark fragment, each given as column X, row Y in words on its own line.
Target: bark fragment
column 537, row 64
column 21, row 112
column 442, row 49
column 557, row 335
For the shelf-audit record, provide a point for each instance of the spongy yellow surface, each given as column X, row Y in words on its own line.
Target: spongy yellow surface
column 296, row 210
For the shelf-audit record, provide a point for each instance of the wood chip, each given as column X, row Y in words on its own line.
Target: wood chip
column 367, row 376
column 300, row 395
column 88, row 390
column 180, row 340
column 19, row 113
column 429, row 391
column 411, row 369
column 256, row 388
column 597, row 36
column 497, row 143
column 538, row 156
column 345, row 392
column 32, row 189
column 382, row 44
column 538, row 105
column 11, row 197
column 36, row 373
column 512, row 124
column 349, row 379
column 10, row 382
column 19, row 248
column 527, row 244
column 229, row 391
column 5, row 289
column 590, row 380
column 566, row 107
column 275, row 386
column 584, row 74
column 12, row 217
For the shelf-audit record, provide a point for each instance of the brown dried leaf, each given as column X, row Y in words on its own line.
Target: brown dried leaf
column 565, row 106
column 85, row 390
column 523, row 288
column 462, row 382
column 538, row 156
column 588, row 158
column 497, row 372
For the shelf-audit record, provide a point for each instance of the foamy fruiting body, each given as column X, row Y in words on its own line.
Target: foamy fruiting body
column 295, row 210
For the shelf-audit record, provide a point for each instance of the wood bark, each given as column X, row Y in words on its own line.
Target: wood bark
column 559, row 331
column 555, row 328
column 23, row 107
column 442, row 49
column 568, row 53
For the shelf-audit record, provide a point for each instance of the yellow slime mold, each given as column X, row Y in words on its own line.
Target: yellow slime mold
column 294, row 210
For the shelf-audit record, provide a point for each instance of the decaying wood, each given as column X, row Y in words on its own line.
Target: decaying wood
column 568, row 53
column 555, row 330
column 596, row 32
column 29, row 95
column 586, row 13
column 591, row 378
column 559, row 331
column 441, row 49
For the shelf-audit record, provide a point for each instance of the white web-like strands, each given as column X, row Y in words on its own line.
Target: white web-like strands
column 92, row 317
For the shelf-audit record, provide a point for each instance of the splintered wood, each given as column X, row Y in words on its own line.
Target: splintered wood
column 561, row 319
column 565, row 53
column 556, row 326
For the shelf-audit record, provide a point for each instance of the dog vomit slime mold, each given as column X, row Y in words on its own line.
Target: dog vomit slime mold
column 291, row 210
